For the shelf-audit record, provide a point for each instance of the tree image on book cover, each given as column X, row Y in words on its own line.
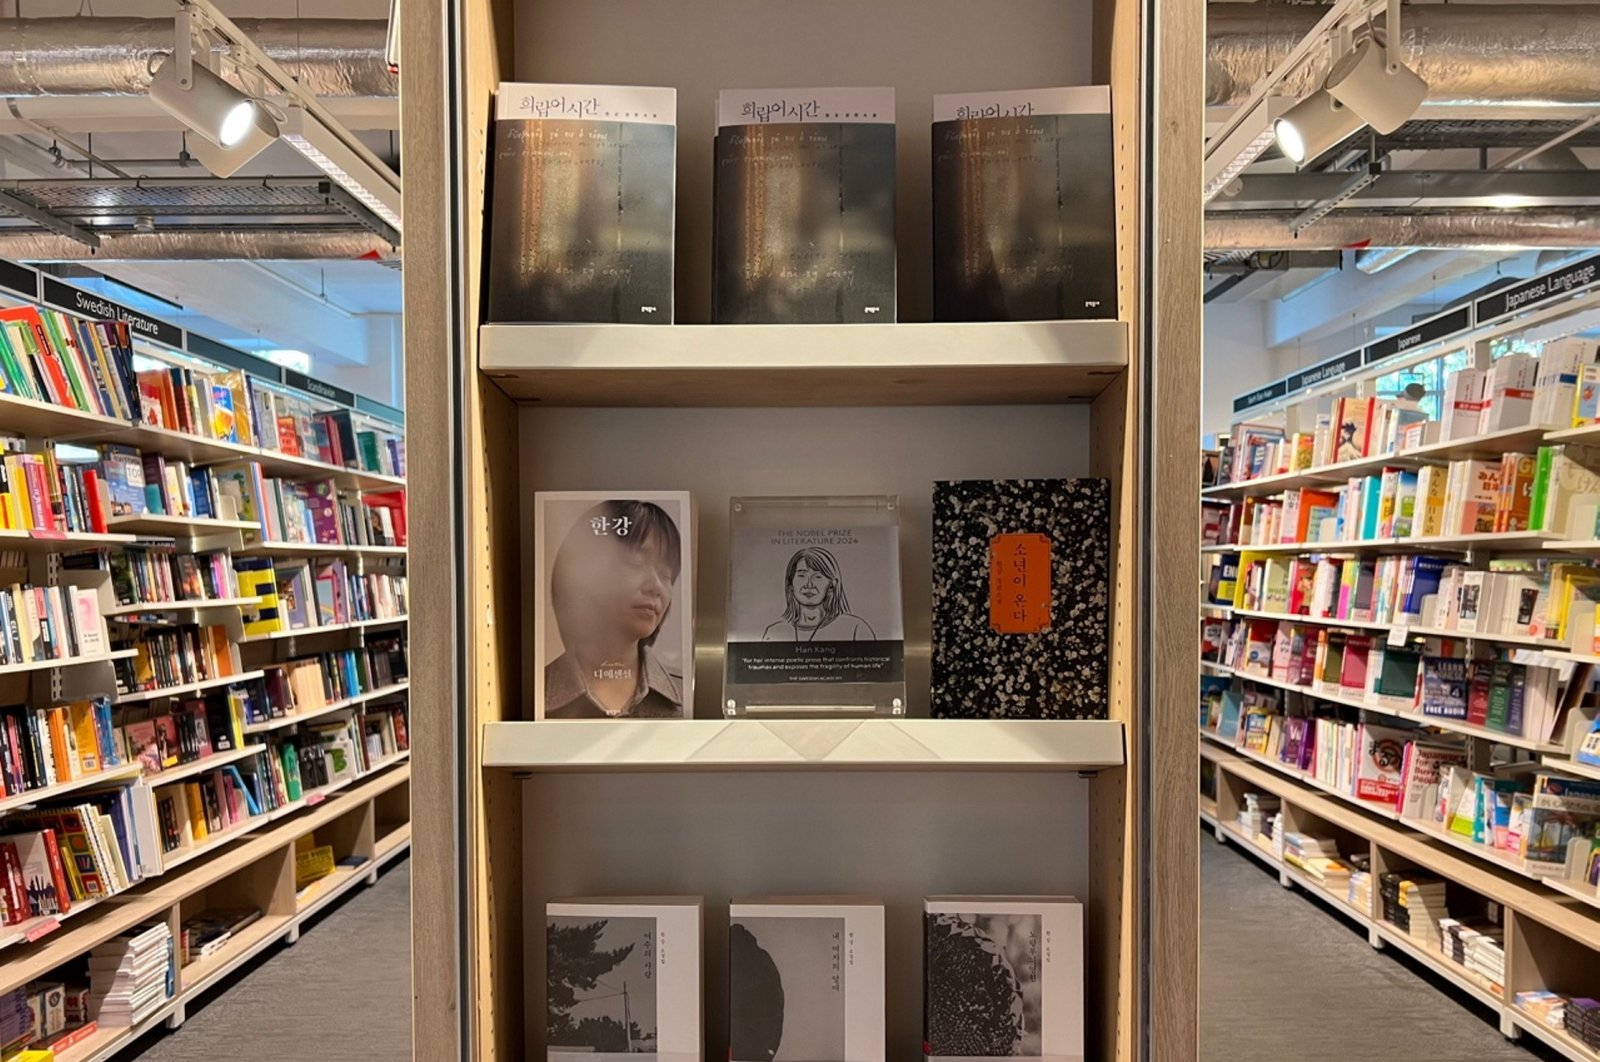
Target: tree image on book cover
column 787, row 987
column 983, row 986
column 600, row 985
column 1057, row 669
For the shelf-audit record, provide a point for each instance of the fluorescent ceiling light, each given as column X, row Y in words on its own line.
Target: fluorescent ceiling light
column 1314, row 125
column 377, row 187
column 211, row 107
column 1228, row 157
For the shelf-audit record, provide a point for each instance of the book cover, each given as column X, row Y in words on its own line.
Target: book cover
column 1024, row 211
column 614, row 607
column 1003, row 978
column 1382, row 755
column 583, row 204
column 1053, row 663
column 806, row 980
column 804, row 206
column 1444, row 687
column 623, row 978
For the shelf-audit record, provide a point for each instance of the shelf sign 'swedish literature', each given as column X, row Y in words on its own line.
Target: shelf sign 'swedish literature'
column 1021, row 599
column 613, row 605
column 623, row 979
column 804, row 213
column 1004, row 978
column 815, row 626
column 806, row 980
column 1024, row 210
column 583, row 204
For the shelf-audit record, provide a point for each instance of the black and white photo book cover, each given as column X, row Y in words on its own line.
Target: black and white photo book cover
column 613, row 605
column 803, row 221
column 1021, row 599
column 806, row 980
column 815, row 621
column 1024, row 209
column 623, row 980
column 583, row 204
column 1003, row 978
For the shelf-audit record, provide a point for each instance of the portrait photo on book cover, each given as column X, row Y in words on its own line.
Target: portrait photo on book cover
column 985, row 985
column 600, row 981
column 613, row 606
column 787, row 989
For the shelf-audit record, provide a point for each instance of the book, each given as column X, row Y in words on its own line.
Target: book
column 1048, row 663
column 804, row 206
column 1382, row 756
column 806, row 979
column 1003, row 978
column 582, row 225
column 1024, row 212
column 613, row 570
column 647, row 953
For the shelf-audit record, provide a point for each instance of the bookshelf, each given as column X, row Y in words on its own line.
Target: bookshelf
column 362, row 808
column 500, row 411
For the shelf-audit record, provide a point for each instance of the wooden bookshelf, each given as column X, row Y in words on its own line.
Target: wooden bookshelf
column 59, row 542
column 65, row 662
column 110, row 776
column 496, row 413
column 187, row 688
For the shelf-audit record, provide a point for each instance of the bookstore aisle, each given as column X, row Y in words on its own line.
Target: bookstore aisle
column 360, row 1015
column 1281, row 980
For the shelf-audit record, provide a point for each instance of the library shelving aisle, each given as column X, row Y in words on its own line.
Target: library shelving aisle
column 1398, row 708
column 901, row 808
column 203, row 663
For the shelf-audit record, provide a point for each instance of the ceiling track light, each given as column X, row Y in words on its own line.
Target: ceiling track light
column 375, row 191
column 1317, row 124
column 210, row 106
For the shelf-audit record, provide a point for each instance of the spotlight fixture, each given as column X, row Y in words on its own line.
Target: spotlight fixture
column 1314, row 125
column 1382, row 90
column 211, row 107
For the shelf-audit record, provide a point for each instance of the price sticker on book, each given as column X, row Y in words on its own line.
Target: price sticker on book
column 42, row 929
column 1398, row 635
column 1019, row 583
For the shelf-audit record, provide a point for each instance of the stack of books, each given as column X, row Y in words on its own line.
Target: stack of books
column 1583, row 1021
column 1480, row 947
column 1414, row 902
column 131, row 976
column 1256, row 815
column 1318, row 857
column 1359, row 894
column 1549, row 1008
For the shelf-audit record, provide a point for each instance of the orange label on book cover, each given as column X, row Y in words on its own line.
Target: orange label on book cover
column 1019, row 583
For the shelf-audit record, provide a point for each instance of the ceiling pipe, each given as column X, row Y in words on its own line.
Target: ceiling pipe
column 175, row 246
column 1469, row 54
column 90, row 56
column 1349, row 230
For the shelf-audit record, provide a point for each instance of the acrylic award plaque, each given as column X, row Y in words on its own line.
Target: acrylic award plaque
column 815, row 624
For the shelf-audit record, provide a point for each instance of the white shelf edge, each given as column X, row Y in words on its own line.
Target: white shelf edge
column 28, row 797
column 855, row 744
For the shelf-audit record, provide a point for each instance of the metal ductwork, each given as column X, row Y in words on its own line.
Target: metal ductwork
column 89, row 56
column 1344, row 230
column 194, row 246
column 1527, row 54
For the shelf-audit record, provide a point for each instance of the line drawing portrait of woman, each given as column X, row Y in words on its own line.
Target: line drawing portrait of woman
column 611, row 589
column 815, row 606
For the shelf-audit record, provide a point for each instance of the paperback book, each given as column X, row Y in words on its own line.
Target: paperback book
column 583, row 204
column 804, row 228
column 1024, row 211
column 623, row 979
column 613, row 605
column 1003, row 978
column 806, row 980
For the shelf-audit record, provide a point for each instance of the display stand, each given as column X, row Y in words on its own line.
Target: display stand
column 903, row 808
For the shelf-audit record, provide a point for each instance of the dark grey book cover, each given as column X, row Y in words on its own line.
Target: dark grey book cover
column 804, row 211
column 1021, row 599
column 1024, row 208
column 582, row 204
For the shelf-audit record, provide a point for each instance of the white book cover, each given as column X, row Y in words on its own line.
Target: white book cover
column 802, row 105
column 806, row 980
column 593, row 103
column 1556, row 385
column 613, row 605
column 1004, row 978
column 1463, row 403
column 1508, row 393
column 623, row 980
column 1022, row 103
column 1470, row 608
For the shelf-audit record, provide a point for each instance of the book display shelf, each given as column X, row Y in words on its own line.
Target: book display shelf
column 187, row 712
column 899, row 808
column 1403, row 723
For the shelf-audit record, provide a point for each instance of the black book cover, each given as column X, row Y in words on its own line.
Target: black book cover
column 1024, row 209
column 1021, row 599
column 804, row 214
column 583, row 204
